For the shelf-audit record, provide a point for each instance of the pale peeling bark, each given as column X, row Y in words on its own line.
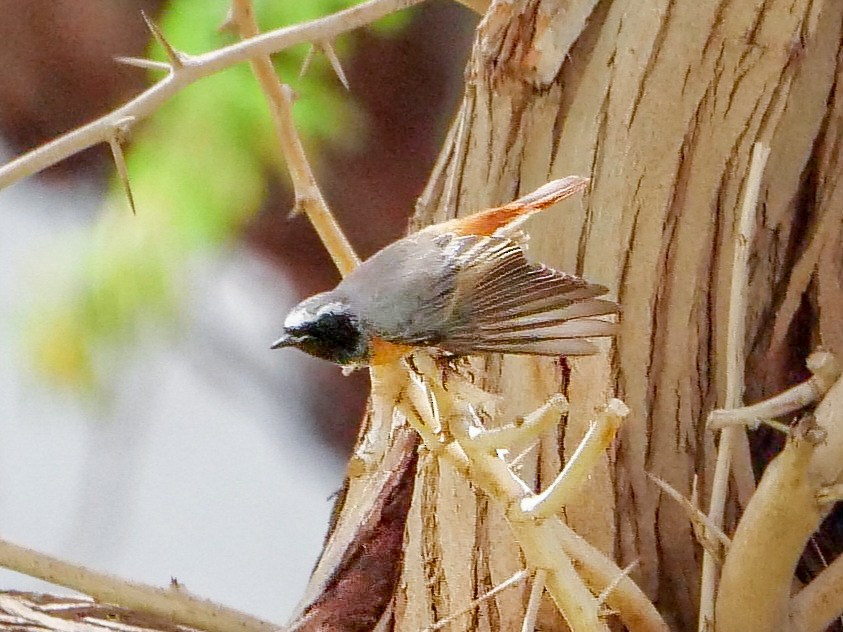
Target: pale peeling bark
column 660, row 103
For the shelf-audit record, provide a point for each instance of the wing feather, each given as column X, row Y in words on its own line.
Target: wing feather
column 500, row 302
column 542, row 315
column 566, row 347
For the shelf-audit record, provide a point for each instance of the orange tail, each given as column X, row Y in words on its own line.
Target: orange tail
column 488, row 221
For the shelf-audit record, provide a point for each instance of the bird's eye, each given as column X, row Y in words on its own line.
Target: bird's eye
column 337, row 329
column 334, row 336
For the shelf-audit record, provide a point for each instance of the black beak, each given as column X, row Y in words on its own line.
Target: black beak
column 284, row 341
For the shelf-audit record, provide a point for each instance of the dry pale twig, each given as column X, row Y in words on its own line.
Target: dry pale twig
column 514, row 437
column 308, row 196
column 548, row 543
column 735, row 360
column 191, row 70
column 176, row 605
column 563, row 583
column 423, row 410
column 636, row 611
column 29, row 616
column 783, row 513
column 572, row 477
column 576, row 603
column 535, row 600
column 492, row 475
column 825, row 370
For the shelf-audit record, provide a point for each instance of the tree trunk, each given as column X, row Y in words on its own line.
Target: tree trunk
column 660, row 103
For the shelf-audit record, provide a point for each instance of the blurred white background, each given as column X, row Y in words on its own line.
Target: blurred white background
column 199, row 465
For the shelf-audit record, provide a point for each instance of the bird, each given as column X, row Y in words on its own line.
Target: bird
column 463, row 286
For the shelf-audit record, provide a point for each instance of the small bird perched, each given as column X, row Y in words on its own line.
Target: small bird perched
column 463, row 286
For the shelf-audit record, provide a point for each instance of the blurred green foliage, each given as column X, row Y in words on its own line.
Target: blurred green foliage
column 198, row 169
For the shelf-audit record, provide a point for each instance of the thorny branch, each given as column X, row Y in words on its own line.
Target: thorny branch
column 515, row 437
column 783, row 513
column 308, row 196
column 825, row 371
column 575, row 572
column 787, row 506
column 189, row 70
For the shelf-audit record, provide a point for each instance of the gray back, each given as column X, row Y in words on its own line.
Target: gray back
column 402, row 292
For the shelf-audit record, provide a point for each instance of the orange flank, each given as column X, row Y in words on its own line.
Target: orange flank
column 384, row 352
column 487, row 222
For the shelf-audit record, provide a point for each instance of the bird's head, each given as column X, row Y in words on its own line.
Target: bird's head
column 325, row 327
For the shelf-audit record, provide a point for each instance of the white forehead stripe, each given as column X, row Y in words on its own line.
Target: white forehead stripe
column 306, row 313
column 296, row 319
column 333, row 306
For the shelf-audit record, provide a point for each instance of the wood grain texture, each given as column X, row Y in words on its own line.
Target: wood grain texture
column 660, row 104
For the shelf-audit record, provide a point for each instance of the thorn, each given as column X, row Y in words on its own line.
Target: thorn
column 696, row 526
column 229, row 25
column 142, row 62
column 331, row 54
column 307, row 59
column 328, row 49
column 122, row 171
column 119, row 134
column 515, row 579
column 175, row 57
column 604, row 594
column 515, row 463
column 713, row 538
column 777, row 426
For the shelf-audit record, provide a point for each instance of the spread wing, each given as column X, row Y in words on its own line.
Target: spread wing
column 500, row 302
